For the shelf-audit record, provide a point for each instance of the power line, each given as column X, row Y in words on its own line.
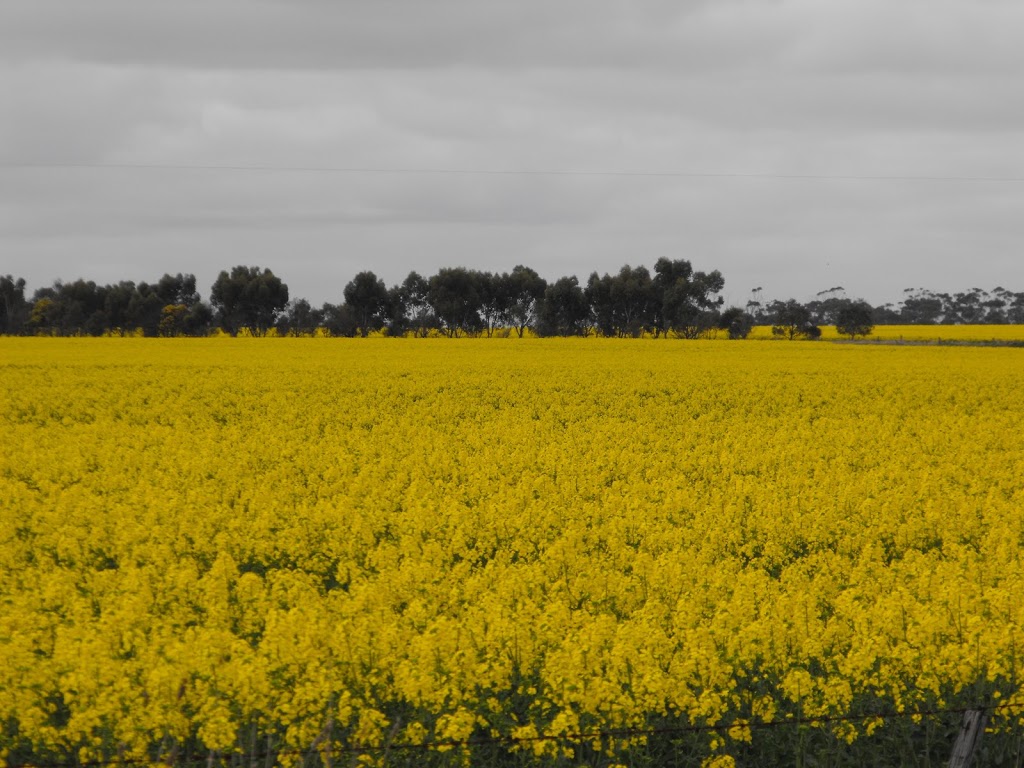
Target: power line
column 355, row 170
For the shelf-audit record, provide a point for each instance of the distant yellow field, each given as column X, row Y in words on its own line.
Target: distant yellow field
column 341, row 544
column 922, row 332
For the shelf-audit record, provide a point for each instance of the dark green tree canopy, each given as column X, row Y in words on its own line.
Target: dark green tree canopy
column 687, row 301
column 524, row 289
column 367, row 300
column 792, row 320
column 921, row 307
column 826, row 304
column 83, row 307
column 248, row 298
column 494, row 300
column 338, row 320
column 299, row 319
column 564, row 311
column 737, row 322
column 174, row 289
column 455, row 297
column 633, row 300
column 411, row 308
column 622, row 304
column 854, row 319
column 672, row 300
column 14, row 309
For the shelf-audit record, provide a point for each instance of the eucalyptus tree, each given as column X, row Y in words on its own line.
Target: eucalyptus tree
column 248, row 298
column 367, row 299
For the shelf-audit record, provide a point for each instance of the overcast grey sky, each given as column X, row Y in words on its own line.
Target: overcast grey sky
column 754, row 88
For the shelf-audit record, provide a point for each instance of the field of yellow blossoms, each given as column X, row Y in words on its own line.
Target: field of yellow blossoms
column 935, row 334
column 565, row 552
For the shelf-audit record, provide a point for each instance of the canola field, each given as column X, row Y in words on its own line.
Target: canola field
column 514, row 552
column 932, row 334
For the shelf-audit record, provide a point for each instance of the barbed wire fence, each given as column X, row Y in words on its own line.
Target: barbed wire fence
column 975, row 718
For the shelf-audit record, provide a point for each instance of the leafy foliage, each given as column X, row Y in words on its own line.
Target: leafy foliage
column 367, row 299
column 854, row 319
column 248, row 298
column 737, row 322
column 791, row 320
column 676, row 301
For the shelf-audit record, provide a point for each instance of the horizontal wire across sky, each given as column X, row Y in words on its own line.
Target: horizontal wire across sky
column 500, row 172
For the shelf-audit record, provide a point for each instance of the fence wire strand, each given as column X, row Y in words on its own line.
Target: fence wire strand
column 482, row 741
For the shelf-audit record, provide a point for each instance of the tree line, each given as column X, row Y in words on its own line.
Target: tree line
column 672, row 300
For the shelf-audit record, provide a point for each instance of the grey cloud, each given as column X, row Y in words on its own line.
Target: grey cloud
column 871, row 35
column 392, row 33
column 59, row 112
column 872, row 87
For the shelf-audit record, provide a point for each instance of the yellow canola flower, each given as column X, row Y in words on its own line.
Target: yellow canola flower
column 975, row 332
column 387, row 541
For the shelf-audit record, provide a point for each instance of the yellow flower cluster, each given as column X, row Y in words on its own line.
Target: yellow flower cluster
column 336, row 542
column 920, row 333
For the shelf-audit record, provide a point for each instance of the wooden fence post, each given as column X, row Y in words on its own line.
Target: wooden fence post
column 971, row 729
